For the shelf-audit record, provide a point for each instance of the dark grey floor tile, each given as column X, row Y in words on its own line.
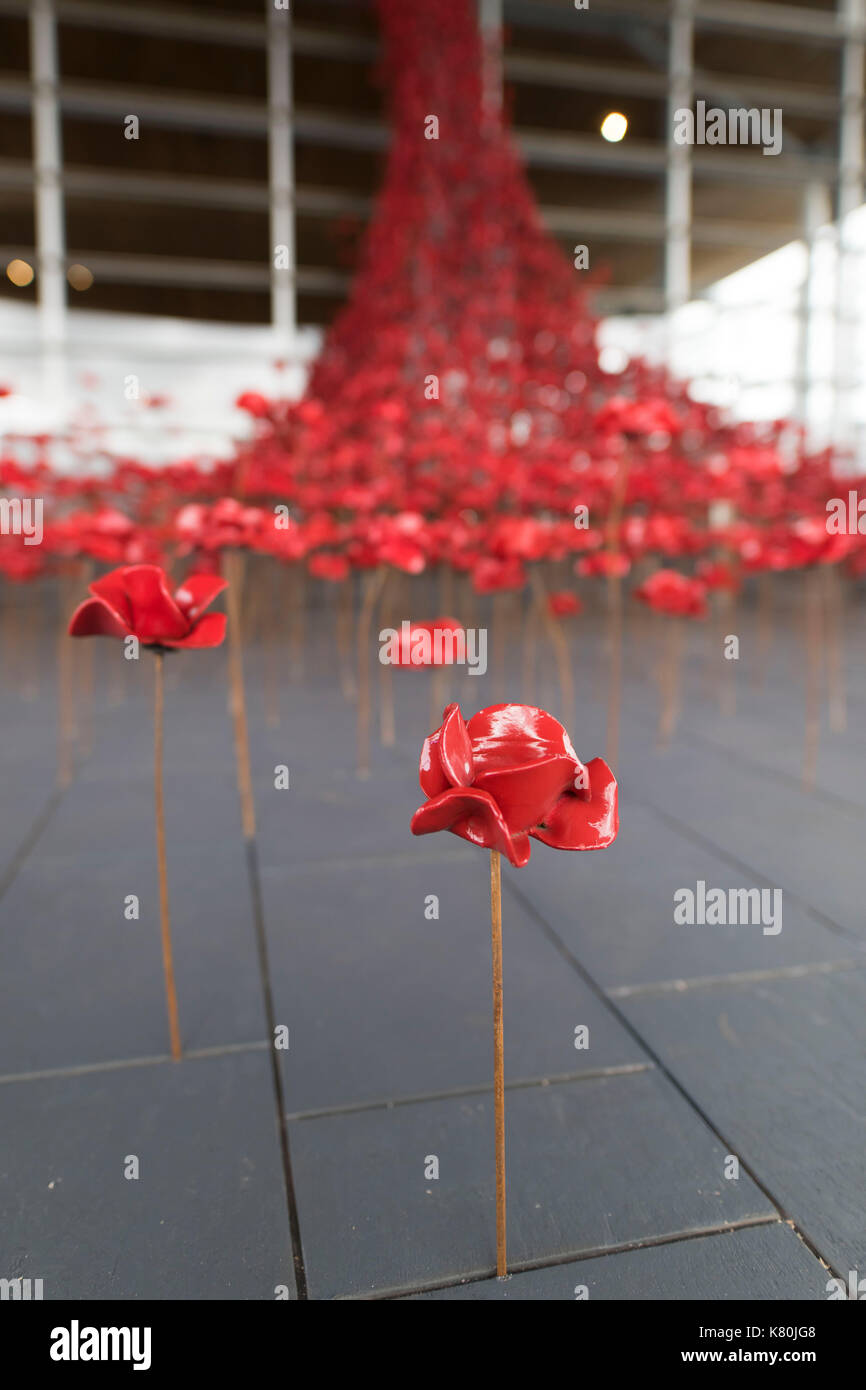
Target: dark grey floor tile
column 329, row 813
column 28, row 765
column 754, row 1263
column 382, row 1002
column 592, row 1164
column 206, row 1219
column 615, row 910
column 104, row 819
column 25, row 801
column 804, row 844
column 79, row 983
column 779, row 1068
column 775, row 741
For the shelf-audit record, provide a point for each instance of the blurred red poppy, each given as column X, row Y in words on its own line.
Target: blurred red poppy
column 441, row 642
column 135, row 600
column 564, row 604
column 328, row 564
column 668, row 591
column 607, row 564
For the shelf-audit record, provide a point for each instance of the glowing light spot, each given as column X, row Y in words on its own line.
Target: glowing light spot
column 20, row 273
column 614, row 126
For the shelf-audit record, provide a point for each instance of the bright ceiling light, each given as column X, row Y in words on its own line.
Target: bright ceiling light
column 20, row 273
column 614, row 126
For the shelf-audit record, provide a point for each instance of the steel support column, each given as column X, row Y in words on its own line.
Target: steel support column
column 48, row 201
column 850, row 196
column 281, row 174
column 678, row 166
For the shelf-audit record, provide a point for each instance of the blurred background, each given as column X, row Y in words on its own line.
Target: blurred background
column 152, row 155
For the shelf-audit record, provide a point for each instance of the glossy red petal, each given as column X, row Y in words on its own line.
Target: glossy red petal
column 95, row 618
column 526, row 794
column 430, row 772
column 209, row 631
column 507, row 736
column 197, row 592
column 474, row 816
column 581, row 821
column 112, row 590
column 455, row 750
column 154, row 615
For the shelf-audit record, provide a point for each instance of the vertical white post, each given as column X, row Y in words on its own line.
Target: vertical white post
column 281, row 173
column 678, row 173
column 816, row 213
column 850, row 196
column 490, row 24
column 48, row 186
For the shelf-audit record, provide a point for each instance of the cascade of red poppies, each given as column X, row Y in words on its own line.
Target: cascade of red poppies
column 457, row 375
column 458, row 412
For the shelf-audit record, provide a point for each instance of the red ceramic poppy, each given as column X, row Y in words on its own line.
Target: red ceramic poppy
column 490, row 576
column 564, row 604
column 668, row 591
column 606, row 564
column 509, row 774
column 327, row 564
column 253, row 403
column 715, row 574
column 638, row 417
column 135, row 600
column 438, row 643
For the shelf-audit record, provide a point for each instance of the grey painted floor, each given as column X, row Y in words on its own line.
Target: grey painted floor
column 706, row 1143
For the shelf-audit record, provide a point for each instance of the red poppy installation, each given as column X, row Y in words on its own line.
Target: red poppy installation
column 506, row 777
column 135, row 603
column 460, row 425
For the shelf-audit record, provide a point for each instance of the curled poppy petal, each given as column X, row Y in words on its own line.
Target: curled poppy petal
column 197, row 592
column 584, row 821
column 209, row 631
column 526, row 794
column 515, row 735
column 474, row 816
column 455, row 750
column 155, row 617
column 431, row 773
column 96, row 618
column 111, row 590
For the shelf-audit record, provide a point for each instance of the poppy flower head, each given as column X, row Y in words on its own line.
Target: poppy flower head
column 564, row 604
column 668, row 591
column 510, row 773
column 136, row 601
column 605, row 564
column 440, row 642
column 715, row 574
column 330, row 565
